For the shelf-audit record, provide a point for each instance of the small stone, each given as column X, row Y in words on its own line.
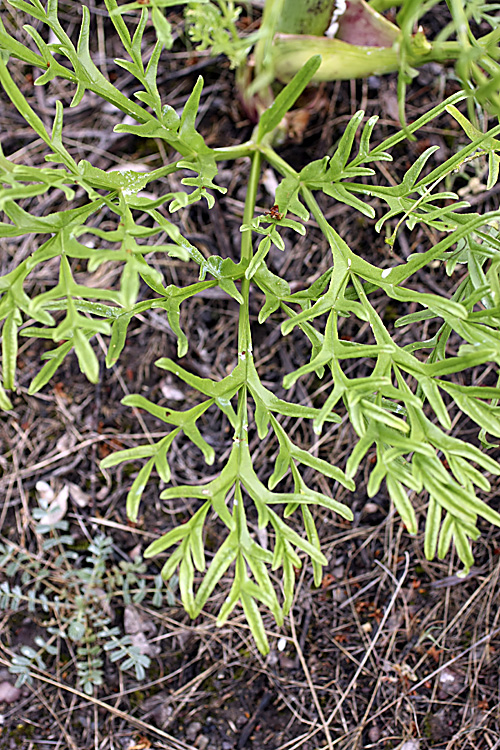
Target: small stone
column 272, row 658
column 451, row 682
column 193, row 730
column 447, row 677
column 374, row 734
column 410, row 745
column 170, row 392
column 226, row 745
column 163, row 714
column 202, row 742
column 339, row 595
column 9, row 693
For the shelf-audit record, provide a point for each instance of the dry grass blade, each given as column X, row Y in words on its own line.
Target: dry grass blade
column 310, row 683
column 175, row 744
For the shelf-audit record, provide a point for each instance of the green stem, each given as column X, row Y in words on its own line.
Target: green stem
column 250, row 200
column 244, row 332
column 277, row 162
column 462, row 23
column 241, row 431
column 270, row 19
column 343, row 61
column 381, row 5
column 235, row 152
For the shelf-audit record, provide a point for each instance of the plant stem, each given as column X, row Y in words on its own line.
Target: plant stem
column 343, row 61
column 235, row 152
column 244, row 332
column 251, row 196
column 277, row 162
column 381, row 5
column 270, row 20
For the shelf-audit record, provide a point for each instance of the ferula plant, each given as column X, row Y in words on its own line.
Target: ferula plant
column 400, row 413
column 355, row 40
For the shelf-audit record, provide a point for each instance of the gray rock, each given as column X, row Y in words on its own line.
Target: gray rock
column 374, row 734
column 9, row 693
column 193, row 730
